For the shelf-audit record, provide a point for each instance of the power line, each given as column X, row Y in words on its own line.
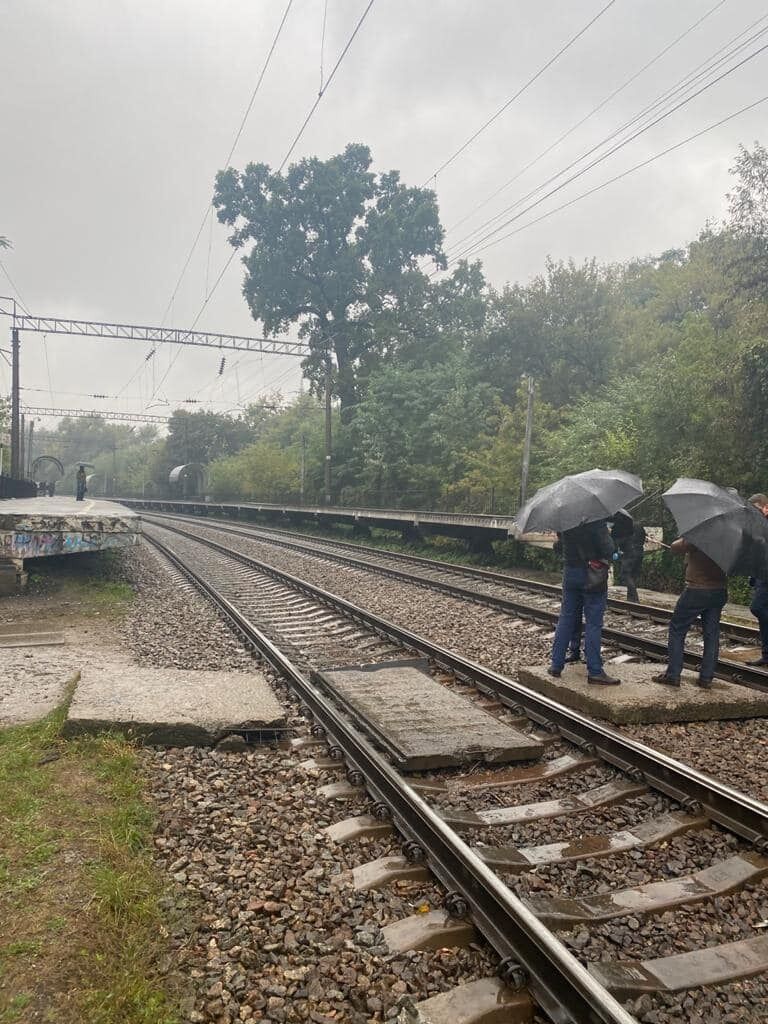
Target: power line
column 474, row 246
column 238, row 133
column 679, row 89
column 630, row 170
column 587, row 117
column 15, row 289
column 324, row 89
column 520, row 91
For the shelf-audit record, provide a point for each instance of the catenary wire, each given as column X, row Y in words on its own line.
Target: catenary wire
column 574, row 127
column 631, row 170
column 667, row 96
column 465, row 145
column 474, row 246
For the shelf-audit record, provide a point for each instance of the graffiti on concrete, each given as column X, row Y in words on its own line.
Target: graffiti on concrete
column 44, row 544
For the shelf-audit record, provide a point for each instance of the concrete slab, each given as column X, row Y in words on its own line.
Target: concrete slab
column 173, row 707
column 486, row 1001
column 423, row 724
column 40, row 527
column 639, row 700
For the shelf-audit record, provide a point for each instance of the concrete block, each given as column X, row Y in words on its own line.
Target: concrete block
column 424, row 724
column 172, row 707
column 639, row 700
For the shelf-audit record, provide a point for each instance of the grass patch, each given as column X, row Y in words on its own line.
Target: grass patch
column 82, row 930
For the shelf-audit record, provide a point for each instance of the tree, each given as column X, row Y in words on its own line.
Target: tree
column 5, row 243
column 748, row 208
column 335, row 248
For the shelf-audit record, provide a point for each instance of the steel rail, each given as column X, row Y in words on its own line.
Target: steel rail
column 734, row 671
column 738, row 812
column 556, row 979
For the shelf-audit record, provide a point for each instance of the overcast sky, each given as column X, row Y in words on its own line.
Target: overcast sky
column 116, row 115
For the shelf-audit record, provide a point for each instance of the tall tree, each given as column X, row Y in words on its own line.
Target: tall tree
column 748, row 207
column 335, row 248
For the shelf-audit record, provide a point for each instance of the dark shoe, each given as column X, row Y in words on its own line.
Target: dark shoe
column 603, row 680
column 554, row 672
column 705, row 684
column 572, row 657
column 666, row 680
column 758, row 663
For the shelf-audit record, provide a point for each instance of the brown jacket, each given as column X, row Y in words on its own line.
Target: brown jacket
column 701, row 573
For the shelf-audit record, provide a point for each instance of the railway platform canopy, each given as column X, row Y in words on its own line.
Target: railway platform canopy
column 43, row 527
column 465, row 525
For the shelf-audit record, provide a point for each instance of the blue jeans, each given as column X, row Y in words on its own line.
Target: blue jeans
column 759, row 609
column 691, row 605
column 576, row 601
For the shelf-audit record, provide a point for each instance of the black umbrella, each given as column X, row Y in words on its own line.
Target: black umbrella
column 722, row 524
column 577, row 499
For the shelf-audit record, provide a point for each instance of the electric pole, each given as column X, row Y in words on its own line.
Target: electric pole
column 527, row 442
column 303, row 466
column 328, row 433
column 29, row 449
column 15, row 411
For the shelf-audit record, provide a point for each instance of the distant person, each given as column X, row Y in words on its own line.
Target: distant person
column 632, row 549
column 759, row 605
column 81, row 484
column 51, row 488
column 704, row 597
column 587, row 554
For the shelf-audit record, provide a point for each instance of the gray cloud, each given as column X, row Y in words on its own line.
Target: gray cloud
column 115, row 117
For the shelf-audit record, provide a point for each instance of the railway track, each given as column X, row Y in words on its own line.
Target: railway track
column 297, row 626
column 647, row 635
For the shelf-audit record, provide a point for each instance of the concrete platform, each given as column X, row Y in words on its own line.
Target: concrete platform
column 40, row 527
column 423, row 724
column 173, row 707
column 639, row 700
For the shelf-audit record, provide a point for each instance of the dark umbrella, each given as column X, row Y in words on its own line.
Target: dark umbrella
column 722, row 524
column 580, row 498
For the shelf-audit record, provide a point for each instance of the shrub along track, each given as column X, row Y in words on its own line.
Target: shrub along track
column 683, row 800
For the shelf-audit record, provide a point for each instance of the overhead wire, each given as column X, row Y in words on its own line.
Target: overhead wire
column 630, row 170
column 595, row 110
column 472, row 246
column 291, row 148
column 505, row 106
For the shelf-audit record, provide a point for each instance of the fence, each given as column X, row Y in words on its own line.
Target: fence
column 10, row 488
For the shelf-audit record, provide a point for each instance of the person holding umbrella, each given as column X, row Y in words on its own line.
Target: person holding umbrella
column 720, row 534
column 759, row 604
column 578, row 507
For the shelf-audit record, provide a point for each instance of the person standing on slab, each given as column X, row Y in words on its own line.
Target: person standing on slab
column 759, row 605
column 81, row 484
column 704, row 597
column 587, row 554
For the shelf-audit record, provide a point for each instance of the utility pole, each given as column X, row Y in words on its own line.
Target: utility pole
column 303, row 466
column 15, row 423
column 328, row 433
column 114, row 468
column 527, row 442
column 22, row 467
column 29, row 448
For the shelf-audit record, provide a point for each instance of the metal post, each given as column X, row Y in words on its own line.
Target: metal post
column 303, row 465
column 22, row 428
column 527, row 443
column 29, row 449
column 15, row 411
column 328, row 433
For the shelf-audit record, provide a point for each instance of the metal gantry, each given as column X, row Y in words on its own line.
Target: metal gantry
column 93, row 414
column 22, row 321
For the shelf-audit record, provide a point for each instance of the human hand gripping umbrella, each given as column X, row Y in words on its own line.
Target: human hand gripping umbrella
column 578, row 499
column 722, row 525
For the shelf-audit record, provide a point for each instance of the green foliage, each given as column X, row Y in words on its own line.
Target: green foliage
column 334, row 247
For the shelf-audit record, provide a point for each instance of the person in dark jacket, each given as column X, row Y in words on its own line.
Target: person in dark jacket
column 632, row 549
column 587, row 551
column 705, row 594
column 759, row 605
column 80, row 480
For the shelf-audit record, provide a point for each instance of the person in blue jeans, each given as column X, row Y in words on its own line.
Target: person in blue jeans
column 759, row 605
column 705, row 594
column 583, row 546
